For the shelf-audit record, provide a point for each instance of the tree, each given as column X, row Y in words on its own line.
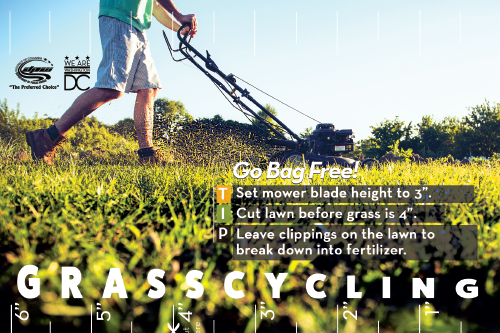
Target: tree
column 437, row 138
column 307, row 131
column 479, row 133
column 168, row 115
column 387, row 133
column 125, row 128
column 269, row 120
column 366, row 148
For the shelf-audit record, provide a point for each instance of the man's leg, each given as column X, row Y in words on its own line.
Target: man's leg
column 44, row 142
column 84, row 105
column 143, row 116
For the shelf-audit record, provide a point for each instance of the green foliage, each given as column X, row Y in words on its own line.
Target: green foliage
column 366, row 148
column 167, row 117
column 479, row 133
column 307, row 131
column 437, row 138
column 212, row 141
column 9, row 119
column 476, row 134
column 269, row 120
column 91, row 133
column 13, row 125
column 386, row 133
column 406, row 155
column 85, row 135
column 125, row 128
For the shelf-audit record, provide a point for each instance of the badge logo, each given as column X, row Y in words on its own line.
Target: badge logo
column 34, row 70
column 74, row 70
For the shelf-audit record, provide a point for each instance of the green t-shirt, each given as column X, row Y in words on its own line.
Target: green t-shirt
column 142, row 11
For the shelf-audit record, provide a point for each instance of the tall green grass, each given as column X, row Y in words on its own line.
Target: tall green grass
column 109, row 211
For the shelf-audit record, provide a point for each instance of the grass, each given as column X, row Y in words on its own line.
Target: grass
column 105, row 212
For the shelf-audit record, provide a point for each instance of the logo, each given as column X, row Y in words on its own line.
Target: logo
column 74, row 70
column 34, row 70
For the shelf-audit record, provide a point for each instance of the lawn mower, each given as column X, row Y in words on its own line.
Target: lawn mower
column 325, row 144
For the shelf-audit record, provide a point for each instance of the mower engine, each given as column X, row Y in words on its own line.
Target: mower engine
column 325, row 145
column 326, row 140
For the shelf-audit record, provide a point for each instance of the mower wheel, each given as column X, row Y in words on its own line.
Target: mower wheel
column 277, row 157
column 294, row 159
column 369, row 163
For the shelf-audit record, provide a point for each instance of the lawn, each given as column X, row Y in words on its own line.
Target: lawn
column 109, row 211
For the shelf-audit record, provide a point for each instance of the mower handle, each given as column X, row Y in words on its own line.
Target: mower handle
column 185, row 25
column 183, row 41
column 185, row 47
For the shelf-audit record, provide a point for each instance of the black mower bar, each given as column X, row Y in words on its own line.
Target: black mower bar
column 284, row 143
column 185, row 47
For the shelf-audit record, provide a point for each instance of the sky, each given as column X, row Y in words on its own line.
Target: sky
column 350, row 63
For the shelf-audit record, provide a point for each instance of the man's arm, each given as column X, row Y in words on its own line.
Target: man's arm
column 164, row 17
column 169, row 8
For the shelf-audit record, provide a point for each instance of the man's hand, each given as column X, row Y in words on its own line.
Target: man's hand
column 169, row 7
column 191, row 19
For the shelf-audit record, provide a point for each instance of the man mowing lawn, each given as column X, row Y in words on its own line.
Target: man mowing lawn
column 126, row 66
